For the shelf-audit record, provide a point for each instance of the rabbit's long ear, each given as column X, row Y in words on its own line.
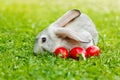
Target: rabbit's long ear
column 83, row 36
column 67, row 17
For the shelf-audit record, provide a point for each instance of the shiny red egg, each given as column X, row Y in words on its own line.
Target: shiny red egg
column 62, row 52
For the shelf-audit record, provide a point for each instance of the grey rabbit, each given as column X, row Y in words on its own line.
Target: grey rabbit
column 73, row 29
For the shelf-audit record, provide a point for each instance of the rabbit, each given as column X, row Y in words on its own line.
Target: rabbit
column 73, row 29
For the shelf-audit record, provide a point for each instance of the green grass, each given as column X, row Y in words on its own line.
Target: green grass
column 22, row 20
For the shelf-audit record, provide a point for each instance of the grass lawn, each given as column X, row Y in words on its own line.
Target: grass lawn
column 22, row 20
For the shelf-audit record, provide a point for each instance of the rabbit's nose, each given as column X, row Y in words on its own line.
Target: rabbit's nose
column 35, row 51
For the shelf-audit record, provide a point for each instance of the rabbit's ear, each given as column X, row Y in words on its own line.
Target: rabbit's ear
column 83, row 36
column 67, row 17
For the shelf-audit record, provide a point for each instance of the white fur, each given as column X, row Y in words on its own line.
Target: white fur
column 78, row 32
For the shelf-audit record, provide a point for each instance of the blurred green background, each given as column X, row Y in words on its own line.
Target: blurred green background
column 22, row 20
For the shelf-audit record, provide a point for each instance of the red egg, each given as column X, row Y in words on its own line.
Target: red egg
column 92, row 51
column 76, row 52
column 62, row 52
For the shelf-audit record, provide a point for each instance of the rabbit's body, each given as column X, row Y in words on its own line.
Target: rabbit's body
column 83, row 22
column 70, row 30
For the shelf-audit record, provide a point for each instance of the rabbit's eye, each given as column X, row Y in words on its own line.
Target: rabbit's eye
column 43, row 39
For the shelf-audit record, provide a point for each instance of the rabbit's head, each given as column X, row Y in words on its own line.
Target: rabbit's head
column 45, row 41
column 57, row 35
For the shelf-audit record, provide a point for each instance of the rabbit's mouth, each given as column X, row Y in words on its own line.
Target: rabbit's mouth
column 46, row 50
column 43, row 49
